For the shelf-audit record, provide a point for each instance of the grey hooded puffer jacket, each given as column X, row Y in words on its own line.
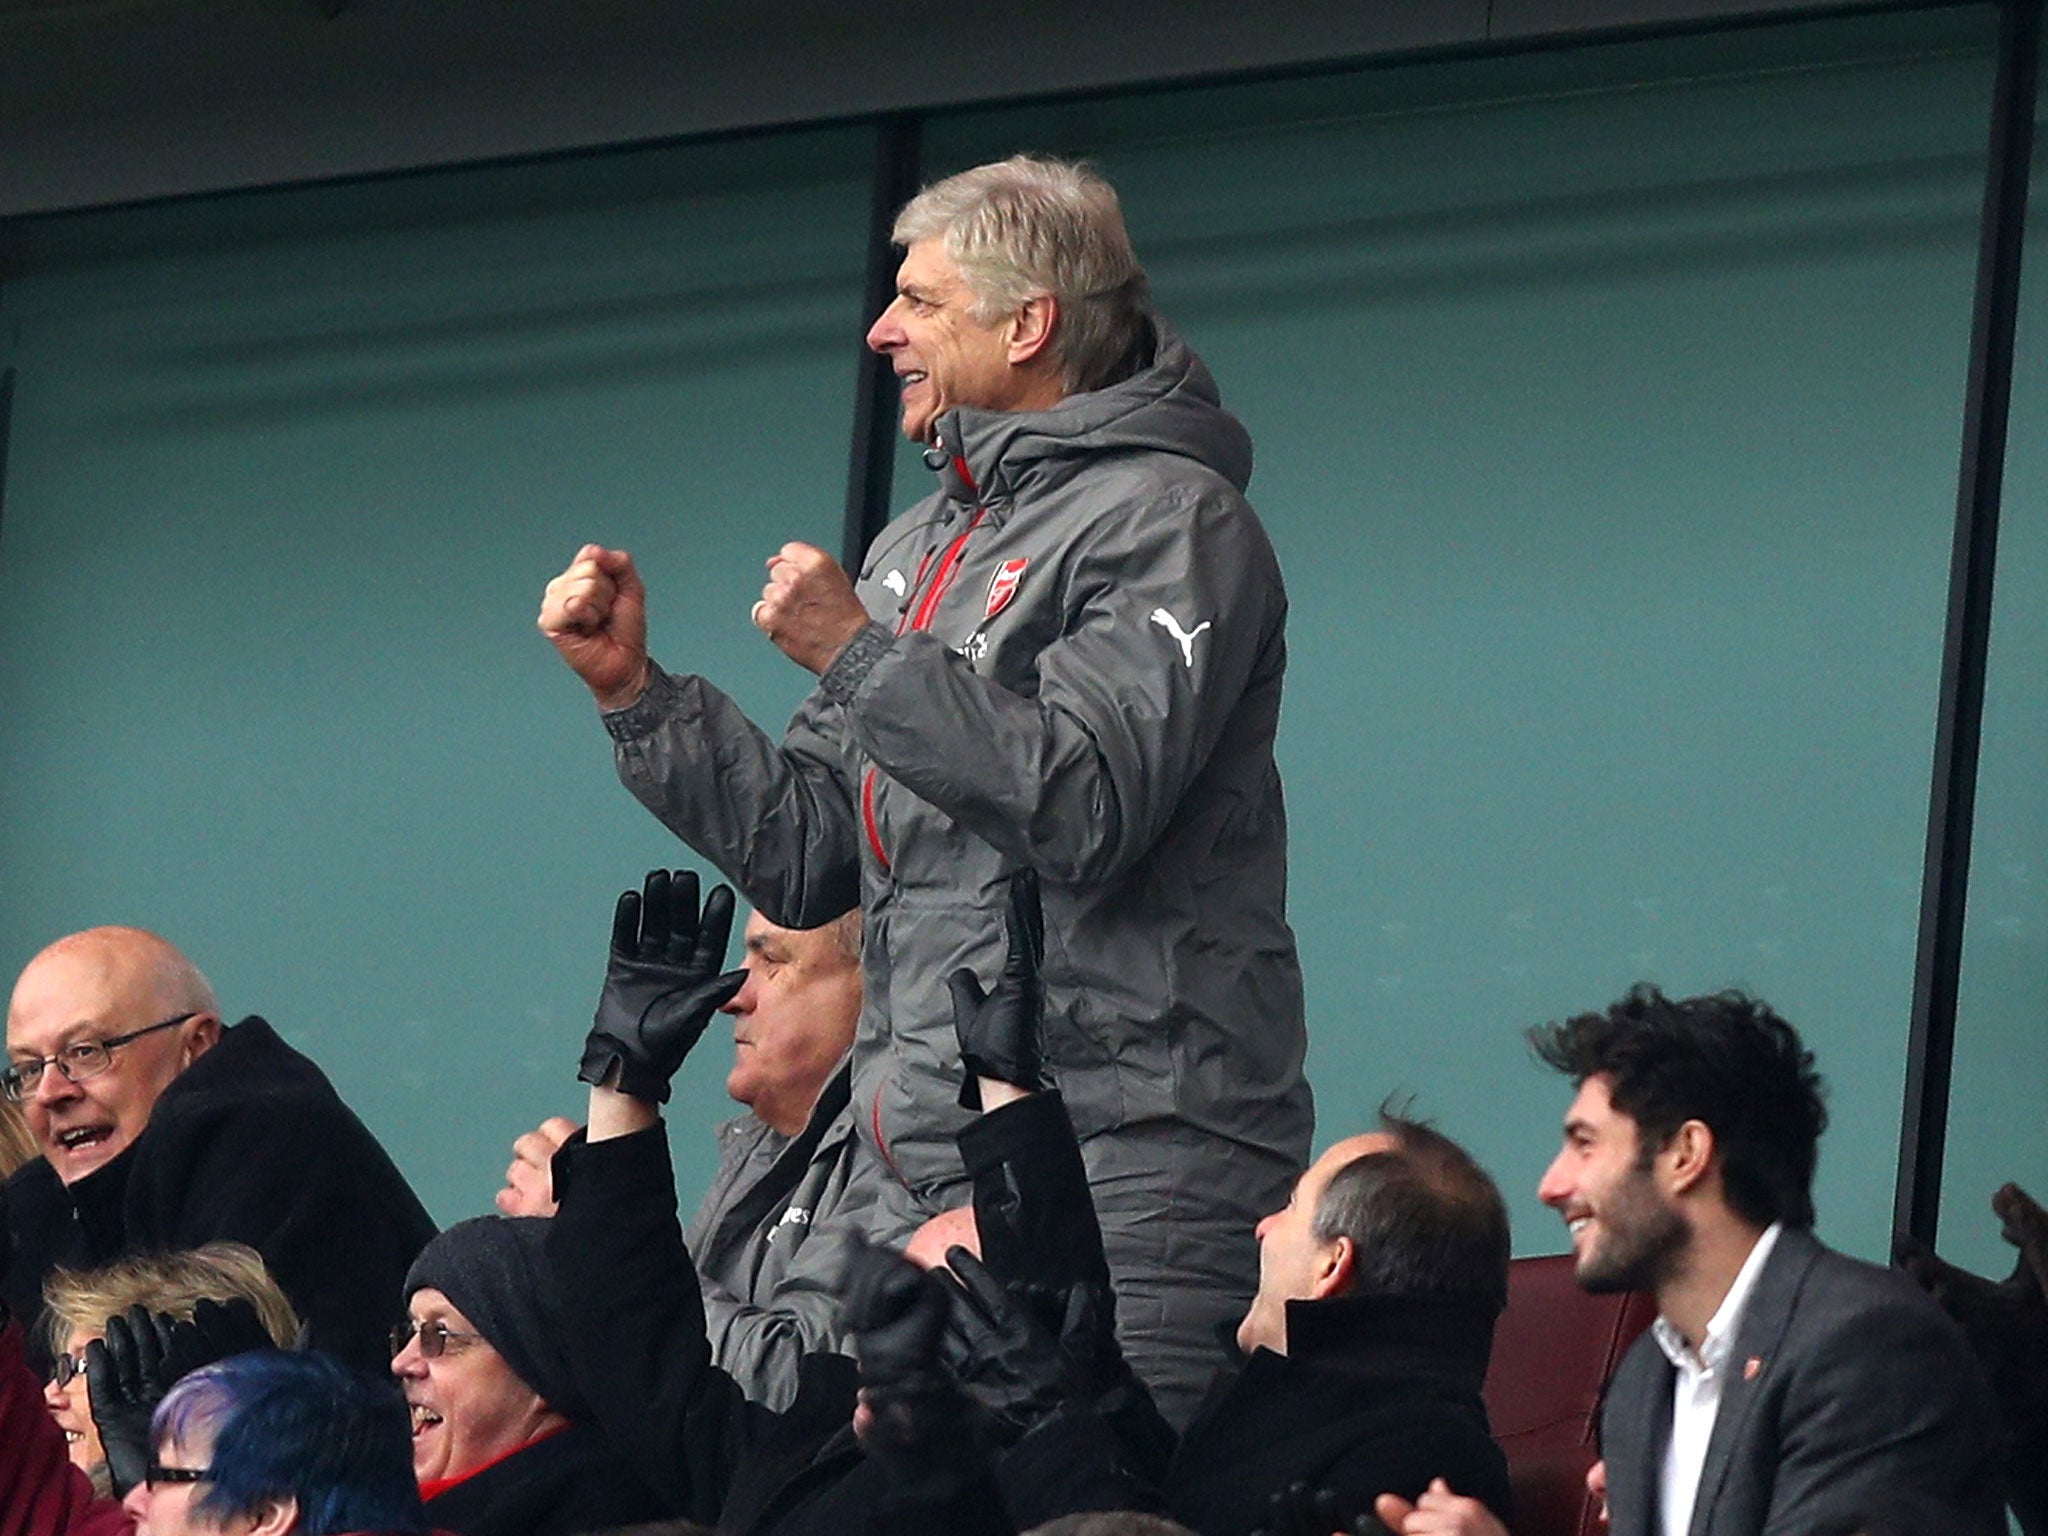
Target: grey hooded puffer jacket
column 1075, row 664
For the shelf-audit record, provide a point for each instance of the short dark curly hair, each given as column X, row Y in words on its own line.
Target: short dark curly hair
column 1724, row 1059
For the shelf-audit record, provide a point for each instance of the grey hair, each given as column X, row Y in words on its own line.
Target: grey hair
column 1025, row 227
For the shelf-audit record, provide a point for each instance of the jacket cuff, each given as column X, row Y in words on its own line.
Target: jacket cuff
column 638, row 1162
column 1037, row 1120
column 658, row 703
column 842, row 680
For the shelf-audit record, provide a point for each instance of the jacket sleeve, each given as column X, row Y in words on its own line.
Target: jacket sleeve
column 1173, row 610
column 777, row 820
column 41, row 1492
column 636, row 1333
column 1032, row 1208
column 763, row 1346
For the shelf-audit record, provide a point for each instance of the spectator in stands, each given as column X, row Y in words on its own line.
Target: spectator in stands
column 768, row 1238
column 2006, row 1322
column 1368, row 1338
column 162, row 1129
column 274, row 1444
column 1367, row 1343
column 1783, row 1386
column 502, row 1441
column 1068, row 658
column 637, row 1341
column 78, row 1305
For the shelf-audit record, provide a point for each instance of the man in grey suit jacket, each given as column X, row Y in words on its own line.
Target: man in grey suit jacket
column 1783, row 1386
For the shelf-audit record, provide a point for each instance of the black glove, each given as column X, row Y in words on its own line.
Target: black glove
column 896, row 1313
column 663, row 984
column 999, row 1030
column 1027, row 1351
column 1299, row 1510
column 142, row 1357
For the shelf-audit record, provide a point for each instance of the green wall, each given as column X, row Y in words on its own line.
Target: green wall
column 1607, row 407
column 284, row 490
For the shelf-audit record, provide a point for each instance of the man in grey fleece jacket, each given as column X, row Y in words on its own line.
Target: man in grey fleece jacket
column 1069, row 658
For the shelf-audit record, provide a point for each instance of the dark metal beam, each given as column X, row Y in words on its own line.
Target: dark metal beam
column 1944, row 888
column 872, row 462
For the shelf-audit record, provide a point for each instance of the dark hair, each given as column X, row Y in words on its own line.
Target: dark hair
column 303, row 1427
column 1725, row 1060
column 1423, row 1217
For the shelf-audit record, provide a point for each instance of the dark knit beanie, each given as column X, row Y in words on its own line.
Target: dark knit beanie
column 495, row 1270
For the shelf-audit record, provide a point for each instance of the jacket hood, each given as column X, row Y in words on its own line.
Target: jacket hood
column 1170, row 405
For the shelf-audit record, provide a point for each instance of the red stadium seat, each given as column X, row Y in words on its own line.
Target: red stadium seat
column 1553, row 1351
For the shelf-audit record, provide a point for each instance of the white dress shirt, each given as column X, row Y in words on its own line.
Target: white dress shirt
column 1696, row 1390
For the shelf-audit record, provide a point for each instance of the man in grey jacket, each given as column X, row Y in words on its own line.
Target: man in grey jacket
column 769, row 1239
column 1070, row 658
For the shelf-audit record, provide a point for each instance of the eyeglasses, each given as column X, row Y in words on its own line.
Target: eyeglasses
column 158, row 1473
column 433, row 1337
column 67, row 1369
column 76, row 1062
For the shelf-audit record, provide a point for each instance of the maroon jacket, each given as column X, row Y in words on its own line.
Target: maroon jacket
column 41, row 1492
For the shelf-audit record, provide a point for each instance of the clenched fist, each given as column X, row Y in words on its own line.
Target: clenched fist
column 529, row 1180
column 595, row 614
column 808, row 608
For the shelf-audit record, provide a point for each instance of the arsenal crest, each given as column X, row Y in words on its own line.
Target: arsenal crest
column 1002, row 587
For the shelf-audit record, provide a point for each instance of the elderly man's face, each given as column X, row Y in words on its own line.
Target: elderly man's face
column 1293, row 1260
column 943, row 356
column 88, row 988
column 792, row 1020
column 468, row 1406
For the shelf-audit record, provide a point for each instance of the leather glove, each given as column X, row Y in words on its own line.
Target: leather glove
column 1299, row 1510
column 141, row 1358
column 663, row 983
column 1026, row 1351
column 896, row 1313
column 1000, row 1029
column 918, row 1424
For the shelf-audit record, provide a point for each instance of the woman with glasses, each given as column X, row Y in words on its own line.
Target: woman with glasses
column 502, row 1442
column 277, row 1444
column 78, row 1305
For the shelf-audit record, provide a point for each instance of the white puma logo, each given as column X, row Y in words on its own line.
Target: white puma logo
column 1186, row 637
column 895, row 583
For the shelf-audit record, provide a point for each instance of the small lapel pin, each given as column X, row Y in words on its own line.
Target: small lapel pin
column 1751, row 1366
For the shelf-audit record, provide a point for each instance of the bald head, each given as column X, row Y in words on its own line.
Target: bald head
column 92, row 988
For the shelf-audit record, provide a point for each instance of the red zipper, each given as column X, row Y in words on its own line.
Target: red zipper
column 943, row 578
column 926, row 611
column 867, row 815
column 881, row 1145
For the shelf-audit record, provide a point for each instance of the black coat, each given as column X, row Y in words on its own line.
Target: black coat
column 637, row 1339
column 569, row 1482
column 1376, row 1394
column 252, row 1144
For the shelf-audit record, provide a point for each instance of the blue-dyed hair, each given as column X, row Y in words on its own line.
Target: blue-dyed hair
column 298, row 1426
